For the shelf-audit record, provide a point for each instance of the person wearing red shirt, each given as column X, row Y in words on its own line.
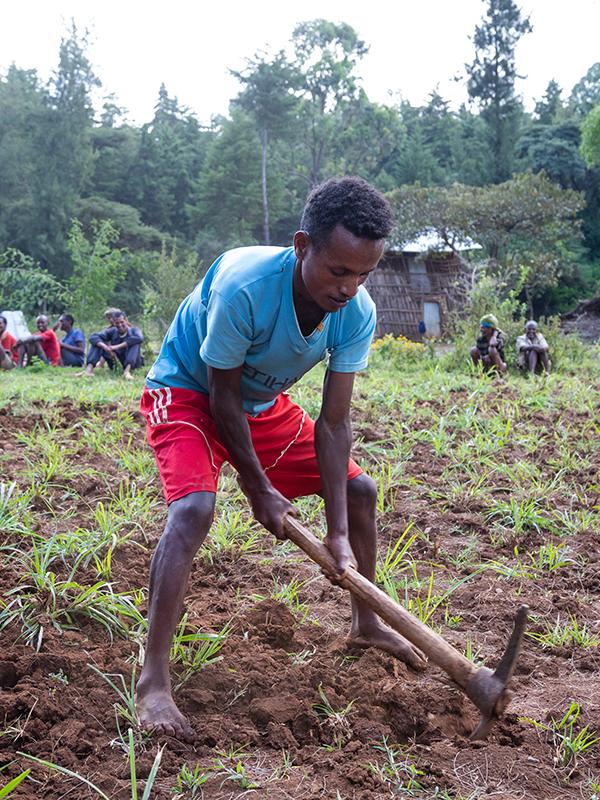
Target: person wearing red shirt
column 8, row 346
column 44, row 344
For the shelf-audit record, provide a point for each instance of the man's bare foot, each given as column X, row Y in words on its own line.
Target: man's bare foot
column 128, row 376
column 389, row 641
column 159, row 714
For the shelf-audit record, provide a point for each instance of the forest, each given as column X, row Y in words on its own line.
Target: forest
column 94, row 208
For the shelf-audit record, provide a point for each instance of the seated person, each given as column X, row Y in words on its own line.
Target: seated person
column 489, row 348
column 123, row 341
column 9, row 356
column 43, row 344
column 72, row 345
column 533, row 353
column 109, row 315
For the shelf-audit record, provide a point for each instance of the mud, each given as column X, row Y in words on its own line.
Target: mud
column 258, row 705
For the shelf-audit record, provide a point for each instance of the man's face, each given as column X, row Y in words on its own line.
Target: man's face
column 530, row 331
column 64, row 323
column 2, row 326
column 42, row 324
column 486, row 331
column 332, row 274
column 121, row 325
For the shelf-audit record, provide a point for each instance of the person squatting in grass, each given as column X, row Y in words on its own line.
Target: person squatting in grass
column 9, row 356
column 261, row 318
column 43, row 344
column 489, row 348
column 533, row 353
column 122, row 340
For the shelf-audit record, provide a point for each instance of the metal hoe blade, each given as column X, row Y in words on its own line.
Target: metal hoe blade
column 487, row 689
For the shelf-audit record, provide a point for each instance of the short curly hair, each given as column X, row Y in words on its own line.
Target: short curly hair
column 348, row 201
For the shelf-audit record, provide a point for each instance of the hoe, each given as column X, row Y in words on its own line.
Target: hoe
column 486, row 689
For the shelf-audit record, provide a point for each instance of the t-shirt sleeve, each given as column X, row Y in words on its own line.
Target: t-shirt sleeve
column 351, row 354
column 228, row 331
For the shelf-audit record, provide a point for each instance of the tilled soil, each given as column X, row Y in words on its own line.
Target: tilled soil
column 255, row 712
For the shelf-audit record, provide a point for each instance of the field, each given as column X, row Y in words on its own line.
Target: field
column 488, row 497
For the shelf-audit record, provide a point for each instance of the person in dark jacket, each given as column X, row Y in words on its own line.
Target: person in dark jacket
column 122, row 340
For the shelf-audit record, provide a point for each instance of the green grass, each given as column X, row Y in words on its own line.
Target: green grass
column 22, row 388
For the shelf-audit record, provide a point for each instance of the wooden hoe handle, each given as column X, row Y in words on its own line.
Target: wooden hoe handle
column 432, row 644
column 486, row 689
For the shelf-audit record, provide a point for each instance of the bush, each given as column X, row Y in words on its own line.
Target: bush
column 399, row 352
column 26, row 287
column 169, row 283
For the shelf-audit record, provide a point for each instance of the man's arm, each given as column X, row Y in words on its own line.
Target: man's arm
column 134, row 336
column 73, row 348
column 269, row 505
column 333, row 440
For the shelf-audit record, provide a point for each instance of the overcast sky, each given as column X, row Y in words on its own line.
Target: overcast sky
column 190, row 44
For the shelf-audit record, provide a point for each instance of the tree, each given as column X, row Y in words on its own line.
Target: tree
column 586, row 92
column 97, row 268
column 550, row 109
column 269, row 96
column 229, row 208
column 326, row 57
column 23, row 114
column 366, row 141
column 590, row 137
column 65, row 145
column 27, row 287
column 169, row 282
column 492, row 76
column 163, row 181
column 528, row 226
column 554, row 149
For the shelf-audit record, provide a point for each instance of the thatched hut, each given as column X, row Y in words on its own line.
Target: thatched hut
column 420, row 280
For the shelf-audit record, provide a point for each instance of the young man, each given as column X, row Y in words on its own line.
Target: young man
column 72, row 345
column 261, row 318
column 489, row 348
column 9, row 356
column 123, row 340
column 533, row 353
column 43, row 344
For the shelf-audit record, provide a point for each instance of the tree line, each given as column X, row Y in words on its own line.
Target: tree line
column 172, row 193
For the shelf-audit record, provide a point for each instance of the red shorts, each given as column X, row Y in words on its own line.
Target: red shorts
column 189, row 453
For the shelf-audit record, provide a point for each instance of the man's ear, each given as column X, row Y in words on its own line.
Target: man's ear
column 301, row 244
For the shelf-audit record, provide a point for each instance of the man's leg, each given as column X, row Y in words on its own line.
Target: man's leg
column 132, row 360
column 532, row 361
column 188, row 522
column 367, row 629
column 38, row 351
column 6, row 361
column 496, row 360
column 94, row 356
column 544, row 360
column 475, row 356
column 70, row 359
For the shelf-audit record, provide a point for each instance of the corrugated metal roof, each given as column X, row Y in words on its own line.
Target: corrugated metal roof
column 430, row 241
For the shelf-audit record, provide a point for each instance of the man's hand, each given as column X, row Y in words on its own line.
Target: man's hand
column 269, row 507
column 339, row 547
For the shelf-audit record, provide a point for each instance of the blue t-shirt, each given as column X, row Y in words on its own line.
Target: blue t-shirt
column 242, row 313
column 74, row 337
